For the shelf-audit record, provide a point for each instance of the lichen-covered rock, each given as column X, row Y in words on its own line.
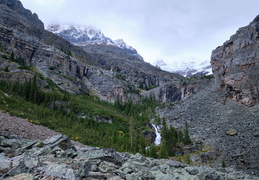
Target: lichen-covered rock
column 235, row 65
column 60, row 170
column 231, row 132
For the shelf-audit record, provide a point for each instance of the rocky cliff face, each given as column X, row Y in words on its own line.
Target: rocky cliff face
column 173, row 92
column 235, row 65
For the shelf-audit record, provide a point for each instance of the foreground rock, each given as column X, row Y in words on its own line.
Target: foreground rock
column 57, row 158
column 235, row 65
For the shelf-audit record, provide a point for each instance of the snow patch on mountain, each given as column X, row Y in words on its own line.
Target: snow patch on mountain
column 121, row 44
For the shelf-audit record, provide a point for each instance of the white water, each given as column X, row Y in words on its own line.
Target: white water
column 158, row 135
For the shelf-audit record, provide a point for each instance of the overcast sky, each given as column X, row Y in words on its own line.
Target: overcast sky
column 172, row 30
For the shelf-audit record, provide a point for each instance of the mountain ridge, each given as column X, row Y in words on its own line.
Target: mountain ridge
column 87, row 35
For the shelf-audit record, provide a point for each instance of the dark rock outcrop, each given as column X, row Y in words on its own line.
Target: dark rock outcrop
column 18, row 8
column 235, row 65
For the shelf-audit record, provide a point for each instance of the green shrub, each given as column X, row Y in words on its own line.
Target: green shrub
column 51, row 68
column 223, row 164
column 6, row 69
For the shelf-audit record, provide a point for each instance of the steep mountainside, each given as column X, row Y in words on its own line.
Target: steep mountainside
column 105, row 71
column 127, row 65
column 235, row 65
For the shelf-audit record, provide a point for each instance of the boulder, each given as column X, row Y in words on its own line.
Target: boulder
column 5, row 164
column 59, row 140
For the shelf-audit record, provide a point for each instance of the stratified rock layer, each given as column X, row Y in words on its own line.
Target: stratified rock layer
column 235, row 65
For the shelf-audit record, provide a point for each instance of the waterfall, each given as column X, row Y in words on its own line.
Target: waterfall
column 158, row 135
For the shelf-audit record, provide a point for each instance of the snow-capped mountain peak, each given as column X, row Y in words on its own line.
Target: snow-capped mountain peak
column 86, row 35
column 186, row 69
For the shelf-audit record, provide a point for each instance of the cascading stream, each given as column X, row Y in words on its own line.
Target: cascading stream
column 158, row 134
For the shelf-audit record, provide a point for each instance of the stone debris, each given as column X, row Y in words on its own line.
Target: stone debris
column 52, row 161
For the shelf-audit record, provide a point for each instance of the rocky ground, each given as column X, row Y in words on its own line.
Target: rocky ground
column 58, row 158
column 228, row 130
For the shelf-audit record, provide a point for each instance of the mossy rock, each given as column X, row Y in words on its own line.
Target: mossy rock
column 41, row 144
column 231, row 132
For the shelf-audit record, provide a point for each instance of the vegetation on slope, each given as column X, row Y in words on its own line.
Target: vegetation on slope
column 86, row 118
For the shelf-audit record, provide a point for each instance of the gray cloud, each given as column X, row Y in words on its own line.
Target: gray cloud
column 167, row 29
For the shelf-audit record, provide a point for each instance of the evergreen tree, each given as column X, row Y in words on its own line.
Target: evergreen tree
column 26, row 91
column 223, row 164
column 12, row 58
column 118, row 104
column 164, row 129
column 180, row 136
column 187, row 139
column 131, row 133
column 32, row 94
column 163, row 153
column 153, row 151
column 142, row 144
